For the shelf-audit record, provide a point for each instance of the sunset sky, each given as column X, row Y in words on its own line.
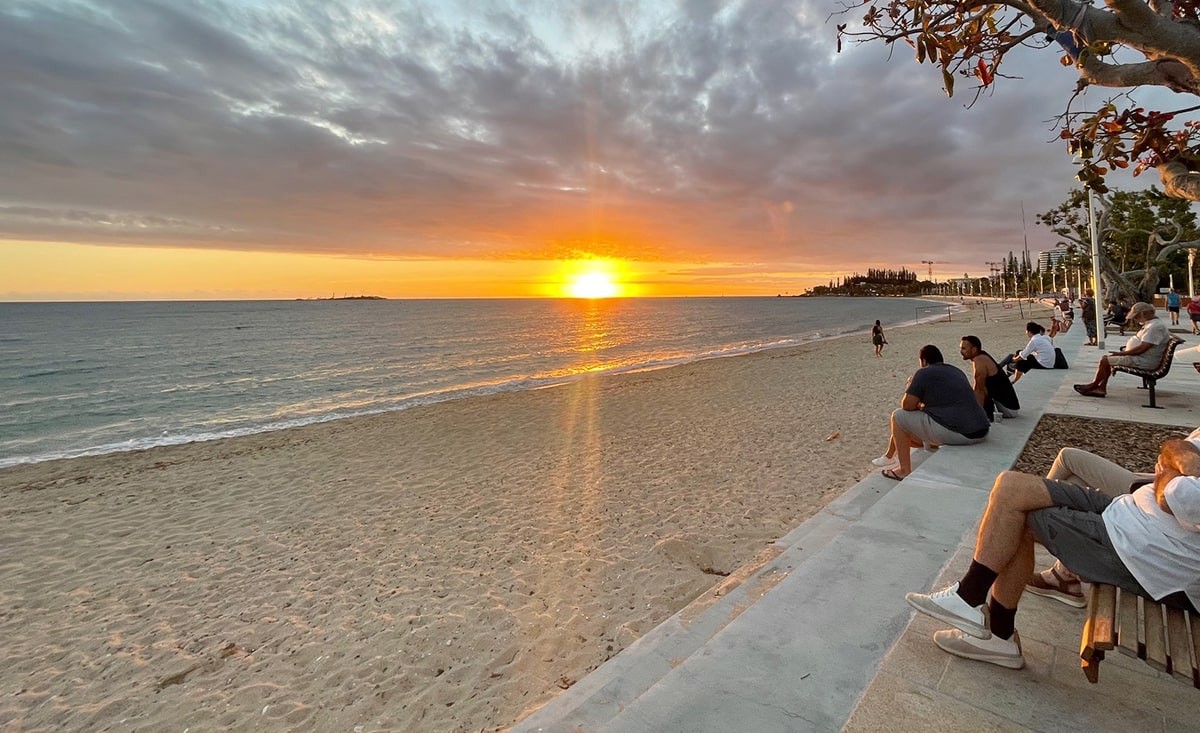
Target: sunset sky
column 279, row 149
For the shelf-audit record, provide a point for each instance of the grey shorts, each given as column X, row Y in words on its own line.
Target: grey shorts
column 921, row 426
column 1073, row 531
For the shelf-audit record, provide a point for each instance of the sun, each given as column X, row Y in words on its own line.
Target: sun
column 592, row 285
column 592, row 279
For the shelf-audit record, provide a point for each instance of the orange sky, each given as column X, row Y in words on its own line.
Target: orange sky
column 36, row 271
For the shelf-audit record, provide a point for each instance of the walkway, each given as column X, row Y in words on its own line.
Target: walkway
column 819, row 637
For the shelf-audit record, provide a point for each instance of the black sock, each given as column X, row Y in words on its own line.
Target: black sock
column 974, row 586
column 1003, row 619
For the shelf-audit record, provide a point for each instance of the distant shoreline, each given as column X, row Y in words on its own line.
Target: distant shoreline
column 349, row 297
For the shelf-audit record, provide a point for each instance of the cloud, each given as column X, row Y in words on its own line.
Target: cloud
column 702, row 132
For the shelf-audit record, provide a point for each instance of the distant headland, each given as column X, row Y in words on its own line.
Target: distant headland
column 348, row 297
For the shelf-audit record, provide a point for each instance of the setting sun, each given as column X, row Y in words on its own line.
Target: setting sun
column 592, row 285
column 592, row 279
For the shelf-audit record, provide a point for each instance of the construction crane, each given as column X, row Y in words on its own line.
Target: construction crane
column 995, row 270
column 931, row 263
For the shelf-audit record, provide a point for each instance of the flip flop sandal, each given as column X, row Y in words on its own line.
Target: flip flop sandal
column 889, row 473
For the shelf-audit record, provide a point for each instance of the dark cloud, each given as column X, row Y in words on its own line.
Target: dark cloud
column 724, row 132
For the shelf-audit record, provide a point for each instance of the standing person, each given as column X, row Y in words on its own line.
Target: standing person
column 1193, row 309
column 877, row 338
column 1037, row 354
column 1173, row 306
column 1087, row 306
column 938, row 408
column 992, row 388
column 1142, row 351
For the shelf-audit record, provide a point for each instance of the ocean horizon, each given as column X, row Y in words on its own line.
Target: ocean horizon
column 89, row 378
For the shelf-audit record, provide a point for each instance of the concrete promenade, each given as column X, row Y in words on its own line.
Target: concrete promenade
column 818, row 637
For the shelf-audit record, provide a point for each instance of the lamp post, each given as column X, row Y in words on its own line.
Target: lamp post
column 1191, row 283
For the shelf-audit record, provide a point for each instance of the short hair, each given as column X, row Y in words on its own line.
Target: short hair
column 1034, row 327
column 974, row 341
column 930, row 354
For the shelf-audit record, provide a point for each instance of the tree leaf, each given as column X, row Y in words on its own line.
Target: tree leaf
column 948, row 81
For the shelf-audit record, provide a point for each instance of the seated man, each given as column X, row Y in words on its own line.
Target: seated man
column 1037, row 354
column 1147, row 543
column 1143, row 351
column 1116, row 315
column 938, row 408
column 992, row 388
column 1086, row 469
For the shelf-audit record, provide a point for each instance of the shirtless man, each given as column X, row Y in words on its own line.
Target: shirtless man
column 992, row 388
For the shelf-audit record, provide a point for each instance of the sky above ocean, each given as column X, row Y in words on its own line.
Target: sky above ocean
column 253, row 148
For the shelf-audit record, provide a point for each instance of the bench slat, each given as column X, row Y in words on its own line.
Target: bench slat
column 1127, row 626
column 1156, row 643
column 1097, row 630
column 1179, row 656
column 1193, row 631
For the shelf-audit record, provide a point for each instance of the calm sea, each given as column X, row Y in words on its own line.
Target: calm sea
column 88, row 378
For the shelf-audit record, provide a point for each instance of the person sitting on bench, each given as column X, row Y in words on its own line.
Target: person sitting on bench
column 1142, row 351
column 1083, row 468
column 1116, row 315
column 1147, row 543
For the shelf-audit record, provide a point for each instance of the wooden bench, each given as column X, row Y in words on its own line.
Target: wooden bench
column 1150, row 377
column 1167, row 639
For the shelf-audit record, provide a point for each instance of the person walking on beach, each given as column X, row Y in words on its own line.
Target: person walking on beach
column 1173, row 306
column 938, row 408
column 1143, row 351
column 877, row 338
column 1087, row 306
column 1146, row 543
column 992, row 388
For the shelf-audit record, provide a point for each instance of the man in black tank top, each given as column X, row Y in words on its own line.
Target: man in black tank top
column 992, row 388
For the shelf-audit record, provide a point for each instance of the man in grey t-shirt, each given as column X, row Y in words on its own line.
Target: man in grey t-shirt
column 938, row 408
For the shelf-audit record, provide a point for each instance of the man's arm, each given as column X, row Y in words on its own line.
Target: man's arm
column 1139, row 349
column 980, row 375
column 1177, row 458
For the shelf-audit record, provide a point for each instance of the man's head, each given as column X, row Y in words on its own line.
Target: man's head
column 1033, row 328
column 1088, row 293
column 969, row 347
column 930, row 354
column 1141, row 312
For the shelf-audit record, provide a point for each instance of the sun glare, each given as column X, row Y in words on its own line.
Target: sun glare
column 592, row 279
column 592, row 285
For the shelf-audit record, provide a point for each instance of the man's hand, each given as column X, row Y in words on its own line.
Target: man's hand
column 1177, row 458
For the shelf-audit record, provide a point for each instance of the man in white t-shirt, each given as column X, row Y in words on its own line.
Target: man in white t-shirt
column 1143, row 351
column 1147, row 543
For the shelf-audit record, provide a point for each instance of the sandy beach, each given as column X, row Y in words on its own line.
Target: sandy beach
column 445, row 568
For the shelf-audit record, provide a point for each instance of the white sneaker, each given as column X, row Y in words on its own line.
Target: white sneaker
column 1001, row 652
column 946, row 605
column 884, row 461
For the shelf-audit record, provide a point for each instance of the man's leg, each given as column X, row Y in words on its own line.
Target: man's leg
column 1088, row 469
column 904, row 443
column 1003, row 557
column 1084, row 469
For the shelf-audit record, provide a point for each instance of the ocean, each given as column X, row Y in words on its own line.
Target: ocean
column 90, row 378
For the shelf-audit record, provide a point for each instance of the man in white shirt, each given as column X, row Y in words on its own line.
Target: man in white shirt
column 1143, row 351
column 1147, row 543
